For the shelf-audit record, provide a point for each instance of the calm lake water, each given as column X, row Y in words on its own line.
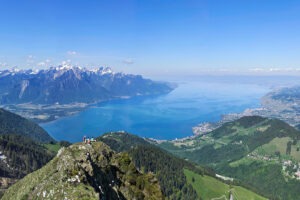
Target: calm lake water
column 168, row 116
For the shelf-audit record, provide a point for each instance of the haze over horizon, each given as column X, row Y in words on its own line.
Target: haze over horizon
column 166, row 38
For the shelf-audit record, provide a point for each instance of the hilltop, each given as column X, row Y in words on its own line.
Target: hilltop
column 84, row 171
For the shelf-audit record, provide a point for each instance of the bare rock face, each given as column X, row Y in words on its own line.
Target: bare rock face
column 84, row 171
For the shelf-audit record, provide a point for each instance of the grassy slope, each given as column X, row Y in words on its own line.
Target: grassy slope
column 52, row 147
column 210, row 188
column 280, row 145
column 277, row 144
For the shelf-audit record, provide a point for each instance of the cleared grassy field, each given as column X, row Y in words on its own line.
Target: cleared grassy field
column 294, row 153
column 243, row 161
column 277, row 144
column 53, row 147
column 212, row 189
column 280, row 145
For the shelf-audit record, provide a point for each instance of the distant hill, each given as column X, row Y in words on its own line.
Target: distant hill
column 11, row 123
column 179, row 179
column 283, row 104
column 287, row 94
column 67, row 84
column 262, row 153
column 84, row 171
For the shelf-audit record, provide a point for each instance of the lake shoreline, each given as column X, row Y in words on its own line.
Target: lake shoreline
column 162, row 117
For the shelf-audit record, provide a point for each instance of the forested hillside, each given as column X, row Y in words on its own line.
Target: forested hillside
column 169, row 169
column 262, row 154
column 11, row 123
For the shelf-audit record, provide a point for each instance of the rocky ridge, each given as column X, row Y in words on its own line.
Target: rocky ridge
column 84, row 171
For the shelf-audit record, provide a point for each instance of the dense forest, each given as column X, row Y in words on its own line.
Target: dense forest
column 149, row 158
column 22, row 155
column 168, row 169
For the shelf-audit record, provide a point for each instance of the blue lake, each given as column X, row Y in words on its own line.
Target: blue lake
column 167, row 116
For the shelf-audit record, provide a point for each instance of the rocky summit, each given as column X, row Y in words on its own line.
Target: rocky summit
column 84, row 171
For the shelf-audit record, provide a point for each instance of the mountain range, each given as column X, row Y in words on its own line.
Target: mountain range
column 70, row 84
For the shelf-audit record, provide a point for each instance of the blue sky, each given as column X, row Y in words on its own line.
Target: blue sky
column 153, row 37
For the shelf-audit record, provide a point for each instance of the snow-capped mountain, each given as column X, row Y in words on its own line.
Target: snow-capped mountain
column 68, row 84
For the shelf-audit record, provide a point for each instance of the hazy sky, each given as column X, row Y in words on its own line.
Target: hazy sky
column 165, row 37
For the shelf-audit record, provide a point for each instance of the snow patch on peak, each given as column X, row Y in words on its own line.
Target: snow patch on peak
column 58, row 71
column 16, row 70
column 102, row 70
column 107, row 70
column 64, row 67
column 35, row 71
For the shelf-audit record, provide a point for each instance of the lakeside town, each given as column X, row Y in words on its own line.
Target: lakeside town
column 270, row 108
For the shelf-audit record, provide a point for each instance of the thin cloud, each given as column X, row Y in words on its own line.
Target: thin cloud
column 30, row 59
column 4, row 64
column 66, row 62
column 257, row 70
column 274, row 69
column 72, row 53
column 128, row 61
column 44, row 63
column 41, row 64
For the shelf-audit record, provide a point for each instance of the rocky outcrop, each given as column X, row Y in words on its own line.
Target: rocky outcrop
column 84, row 171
